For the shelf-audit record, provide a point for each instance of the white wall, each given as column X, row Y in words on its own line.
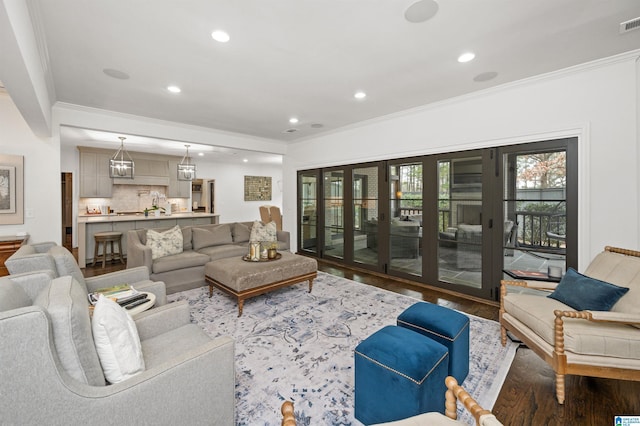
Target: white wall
column 230, row 204
column 41, row 175
column 597, row 102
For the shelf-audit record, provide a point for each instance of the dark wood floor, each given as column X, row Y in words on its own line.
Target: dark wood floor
column 527, row 396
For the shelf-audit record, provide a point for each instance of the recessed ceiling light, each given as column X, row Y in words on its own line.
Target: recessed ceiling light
column 317, row 125
column 120, row 75
column 293, row 120
column 244, row 160
column 360, row 95
column 421, row 11
column 174, row 89
column 201, row 154
column 466, row 57
column 220, row 36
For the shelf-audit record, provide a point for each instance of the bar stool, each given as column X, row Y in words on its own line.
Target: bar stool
column 107, row 238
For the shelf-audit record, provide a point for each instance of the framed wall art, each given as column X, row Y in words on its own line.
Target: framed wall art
column 11, row 189
column 257, row 188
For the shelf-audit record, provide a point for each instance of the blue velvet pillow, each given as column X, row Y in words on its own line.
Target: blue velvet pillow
column 583, row 293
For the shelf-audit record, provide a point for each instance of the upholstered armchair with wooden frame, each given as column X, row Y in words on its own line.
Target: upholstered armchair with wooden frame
column 454, row 393
column 584, row 342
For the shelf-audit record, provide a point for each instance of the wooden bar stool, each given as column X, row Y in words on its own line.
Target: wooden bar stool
column 107, row 238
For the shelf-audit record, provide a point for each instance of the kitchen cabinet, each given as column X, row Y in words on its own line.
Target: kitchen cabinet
column 94, row 175
column 177, row 188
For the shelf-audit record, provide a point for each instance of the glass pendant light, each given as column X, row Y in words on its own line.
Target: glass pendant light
column 186, row 170
column 118, row 166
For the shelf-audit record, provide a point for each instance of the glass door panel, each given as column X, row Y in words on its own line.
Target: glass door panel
column 405, row 225
column 333, row 185
column 535, row 211
column 365, row 215
column 460, row 221
column 308, row 209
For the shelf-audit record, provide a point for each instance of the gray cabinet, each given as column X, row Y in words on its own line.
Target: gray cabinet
column 177, row 188
column 94, row 175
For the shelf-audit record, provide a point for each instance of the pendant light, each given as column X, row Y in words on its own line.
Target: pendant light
column 186, row 170
column 118, row 166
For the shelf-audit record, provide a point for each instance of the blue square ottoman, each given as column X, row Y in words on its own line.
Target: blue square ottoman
column 445, row 326
column 398, row 373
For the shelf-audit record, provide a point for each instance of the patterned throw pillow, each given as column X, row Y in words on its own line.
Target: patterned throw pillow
column 263, row 232
column 164, row 243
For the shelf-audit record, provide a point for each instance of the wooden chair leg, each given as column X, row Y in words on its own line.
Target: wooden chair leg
column 560, row 388
column 95, row 253
column 503, row 336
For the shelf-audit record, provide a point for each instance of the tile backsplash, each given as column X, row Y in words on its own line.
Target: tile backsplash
column 132, row 198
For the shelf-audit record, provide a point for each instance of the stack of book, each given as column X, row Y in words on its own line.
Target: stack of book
column 123, row 294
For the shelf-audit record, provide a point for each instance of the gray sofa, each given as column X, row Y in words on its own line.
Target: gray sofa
column 201, row 244
column 51, row 257
column 51, row 372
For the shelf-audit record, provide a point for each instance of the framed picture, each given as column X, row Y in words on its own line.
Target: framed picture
column 11, row 190
column 257, row 188
column 7, row 189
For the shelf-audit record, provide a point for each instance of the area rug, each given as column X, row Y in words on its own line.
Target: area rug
column 294, row 345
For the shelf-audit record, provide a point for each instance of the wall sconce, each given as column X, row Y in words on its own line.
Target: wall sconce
column 186, row 170
column 118, row 166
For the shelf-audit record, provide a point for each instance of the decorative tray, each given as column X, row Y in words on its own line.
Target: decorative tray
column 246, row 258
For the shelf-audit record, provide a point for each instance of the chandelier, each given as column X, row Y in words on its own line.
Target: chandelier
column 186, row 170
column 118, row 166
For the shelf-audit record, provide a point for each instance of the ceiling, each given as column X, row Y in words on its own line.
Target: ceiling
column 307, row 58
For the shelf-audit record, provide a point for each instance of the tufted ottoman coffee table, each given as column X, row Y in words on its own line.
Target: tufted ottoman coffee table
column 244, row 279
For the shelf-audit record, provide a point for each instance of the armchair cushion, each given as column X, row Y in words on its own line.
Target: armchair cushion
column 165, row 243
column 12, row 296
column 117, row 341
column 584, row 293
column 66, row 302
column 580, row 336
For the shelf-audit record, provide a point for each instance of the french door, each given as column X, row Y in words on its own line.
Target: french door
column 459, row 221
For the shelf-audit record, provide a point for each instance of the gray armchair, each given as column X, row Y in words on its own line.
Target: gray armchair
column 52, row 257
column 51, row 374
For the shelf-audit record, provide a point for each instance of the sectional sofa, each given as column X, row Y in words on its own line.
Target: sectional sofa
column 200, row 244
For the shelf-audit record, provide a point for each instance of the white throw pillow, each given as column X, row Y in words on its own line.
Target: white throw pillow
column 117, row 342
column 165, row 243
column 263, row 231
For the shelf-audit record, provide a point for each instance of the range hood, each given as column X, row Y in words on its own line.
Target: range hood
column 147, row 172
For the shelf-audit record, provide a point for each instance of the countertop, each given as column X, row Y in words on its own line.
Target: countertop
column 114, row 217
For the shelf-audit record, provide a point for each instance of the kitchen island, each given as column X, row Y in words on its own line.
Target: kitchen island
column 89, row 224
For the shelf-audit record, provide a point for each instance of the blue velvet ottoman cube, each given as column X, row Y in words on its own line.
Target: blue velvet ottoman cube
column 398, row 373
column 446, row 327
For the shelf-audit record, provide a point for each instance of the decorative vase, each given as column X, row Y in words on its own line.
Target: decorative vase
column 157, row 213
column 272, row 253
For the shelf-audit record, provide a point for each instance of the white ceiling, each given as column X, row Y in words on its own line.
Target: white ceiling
column 306, row 58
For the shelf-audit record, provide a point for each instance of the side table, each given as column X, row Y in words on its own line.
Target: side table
column 8, row 246
column 141, row 308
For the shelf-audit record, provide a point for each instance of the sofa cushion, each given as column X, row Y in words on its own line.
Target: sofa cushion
column 164, row 243
column 117, row 341
column 187, row 235
column 581, row 336
column 227, row 250
column 66, row 302
column 175, row 343
column 241, row 233
column 584, row 293
column 12, row 296
column 261, row 231
column 214, row 235
column 186, row 259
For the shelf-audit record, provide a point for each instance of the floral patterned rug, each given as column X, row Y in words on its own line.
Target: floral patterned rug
column 296, row 345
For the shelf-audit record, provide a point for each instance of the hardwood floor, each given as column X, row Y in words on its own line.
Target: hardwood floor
column 528, row 394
